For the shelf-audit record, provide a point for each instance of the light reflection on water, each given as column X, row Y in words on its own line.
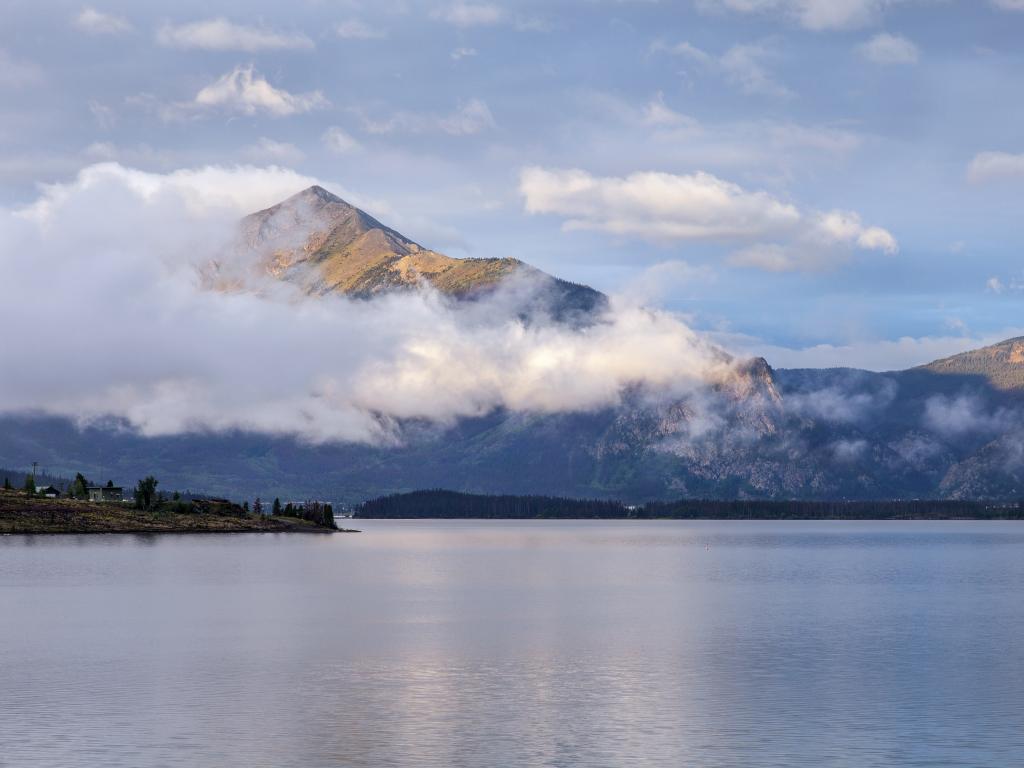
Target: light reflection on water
column 434, row 643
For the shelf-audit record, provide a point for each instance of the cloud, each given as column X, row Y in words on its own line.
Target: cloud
column 656, row 113
column 463, row 14
column 463, row 53
column 665, row 207
column 963, row 414
column 244, row 91
column 847, row 402
column 268, row 150
column 872, row 355
column 338, row 141
column 994, row 166
column 816, row 15
column 105, row 117
column 1009, row 5
column 884, row 48
column 741, row 65
column 354, row 29
column 17, row 73
column 471, row 117
column 1000, row 286
column 846, row 451
column 222, row 35
column 96, row 23
column 177, row 357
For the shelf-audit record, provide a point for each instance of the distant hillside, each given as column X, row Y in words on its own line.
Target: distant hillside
column 322, row 243
column 1002, row 364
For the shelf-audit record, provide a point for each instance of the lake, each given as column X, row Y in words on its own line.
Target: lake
column 465, row 643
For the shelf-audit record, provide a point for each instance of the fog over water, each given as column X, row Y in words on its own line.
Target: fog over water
column 517, row 644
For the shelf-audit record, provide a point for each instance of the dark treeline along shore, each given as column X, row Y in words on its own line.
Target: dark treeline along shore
column 451, row 504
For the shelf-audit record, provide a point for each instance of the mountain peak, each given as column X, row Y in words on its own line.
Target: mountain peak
column 315, row 193
column 326, row 245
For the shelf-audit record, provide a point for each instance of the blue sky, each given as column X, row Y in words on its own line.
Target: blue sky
column 825, row 182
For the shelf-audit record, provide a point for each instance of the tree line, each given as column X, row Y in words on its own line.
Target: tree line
column 452, row 504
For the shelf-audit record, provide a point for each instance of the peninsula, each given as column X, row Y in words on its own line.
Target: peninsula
column 22, row 513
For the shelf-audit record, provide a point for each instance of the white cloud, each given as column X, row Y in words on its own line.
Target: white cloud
column 222, row 35
column 961, row 415
column 811, row 14
column 993, row 166
column 270, row 151
column 741, row 65
column 184, row 358
column 658, row 206
column 664, row 207
column 998, row 285
column 216, row 190
column 17, row 73
column 104, row 116
column 471, row 117
column 848, row 450
column 96, row 23
column 463, row 53
column 872, row 355
column 462, row 14
column 658, row 114
column 884, row 48
column 241, row 90
column 354, row 29
column 338, row 141
column 1009, row 5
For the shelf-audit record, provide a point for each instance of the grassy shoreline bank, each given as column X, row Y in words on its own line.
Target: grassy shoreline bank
column 21, row 514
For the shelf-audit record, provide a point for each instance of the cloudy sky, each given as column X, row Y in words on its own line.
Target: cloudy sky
column 825, row 182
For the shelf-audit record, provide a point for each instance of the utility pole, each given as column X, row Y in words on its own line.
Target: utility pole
column 34, row 465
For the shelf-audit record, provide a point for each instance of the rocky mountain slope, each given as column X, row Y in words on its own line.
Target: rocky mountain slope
column 325, row 245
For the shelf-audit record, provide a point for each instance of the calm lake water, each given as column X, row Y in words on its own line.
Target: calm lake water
column 437, row 643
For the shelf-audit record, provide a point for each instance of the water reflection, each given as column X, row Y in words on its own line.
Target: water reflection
column 505, row 644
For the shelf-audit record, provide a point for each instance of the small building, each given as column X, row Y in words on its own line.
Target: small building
column 105, row 493
column 48, row 491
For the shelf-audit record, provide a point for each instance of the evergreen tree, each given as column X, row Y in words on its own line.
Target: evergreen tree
column 245, row 508
column 30, row 485
column 275, row 510
column 79, row 488
column 7, row 483
column 257, row 507
column 145, row 492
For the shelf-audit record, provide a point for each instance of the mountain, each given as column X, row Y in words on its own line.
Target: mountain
column 325, row 245
column 775, row 434
column 952, row 429
column 1000, row 365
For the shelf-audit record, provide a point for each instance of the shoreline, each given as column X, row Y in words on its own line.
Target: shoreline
column 32, row 516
